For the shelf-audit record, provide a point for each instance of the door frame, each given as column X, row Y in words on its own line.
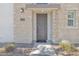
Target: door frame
column 49, row 26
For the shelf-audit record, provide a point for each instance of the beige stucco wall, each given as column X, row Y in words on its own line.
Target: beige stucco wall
column 63, row 31
column 24, row 29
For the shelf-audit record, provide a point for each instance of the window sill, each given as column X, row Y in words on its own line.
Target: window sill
column 72, row 27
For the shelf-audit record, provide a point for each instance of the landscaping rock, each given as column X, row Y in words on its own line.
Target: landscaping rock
column 44, row 50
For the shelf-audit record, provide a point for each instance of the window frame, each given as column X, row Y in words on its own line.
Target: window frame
column 73, row 18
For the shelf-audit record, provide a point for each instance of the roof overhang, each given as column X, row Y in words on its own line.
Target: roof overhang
column 54, row 5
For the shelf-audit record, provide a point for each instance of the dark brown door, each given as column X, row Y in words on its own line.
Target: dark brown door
column 41, row 27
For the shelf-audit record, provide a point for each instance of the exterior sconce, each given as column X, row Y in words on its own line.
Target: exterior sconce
column 22, row 10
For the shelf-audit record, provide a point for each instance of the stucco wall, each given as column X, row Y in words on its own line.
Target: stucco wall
column 23, row 29
column 60, row 30
column 6, row 22
column 65, row 32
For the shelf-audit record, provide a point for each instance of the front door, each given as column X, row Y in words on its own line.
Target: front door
column 41, row 28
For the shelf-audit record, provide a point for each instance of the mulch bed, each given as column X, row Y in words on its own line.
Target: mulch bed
column 26, row 51
column 18, row 52
column 69, row 53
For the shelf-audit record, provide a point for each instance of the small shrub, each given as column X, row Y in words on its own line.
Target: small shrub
column 67, row 46
column 10, row 47
column 2, row 50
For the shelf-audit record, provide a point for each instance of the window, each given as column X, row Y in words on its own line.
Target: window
column 71, row 18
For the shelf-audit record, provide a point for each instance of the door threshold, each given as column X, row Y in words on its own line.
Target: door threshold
column 36, row 44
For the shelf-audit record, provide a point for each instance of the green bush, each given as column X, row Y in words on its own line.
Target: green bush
column 67, row 46
column 10, row 47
